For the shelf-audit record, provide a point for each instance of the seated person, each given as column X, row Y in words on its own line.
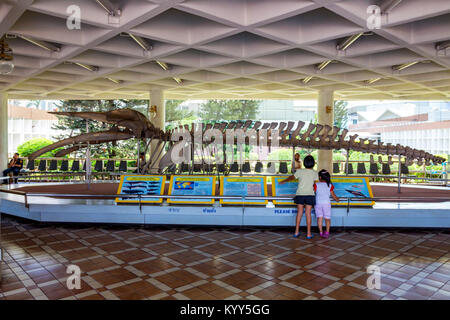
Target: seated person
column 14, row 167
column 297, row 161
column 141, row 163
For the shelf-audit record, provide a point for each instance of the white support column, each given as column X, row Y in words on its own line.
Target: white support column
column 325, row 116
column 3, row 151
column 158, row 119
column 3, row 130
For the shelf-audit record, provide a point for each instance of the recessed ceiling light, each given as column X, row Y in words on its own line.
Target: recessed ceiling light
column 141, row 42
column 348, row 42
column 404, row 65
column 41, row 44
column 322, row 65
column 86, row 66
column 370, row 81
column 163, row 65
column 109, row 7
column 307, row 79
column 115, row 81
column 178, row 80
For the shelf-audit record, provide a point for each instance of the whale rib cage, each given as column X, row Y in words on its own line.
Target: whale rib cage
column 130, row 124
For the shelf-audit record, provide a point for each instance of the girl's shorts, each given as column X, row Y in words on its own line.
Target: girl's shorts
column 305, row 200
column 323, row 210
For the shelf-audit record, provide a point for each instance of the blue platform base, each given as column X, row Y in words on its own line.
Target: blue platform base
column 417, row 215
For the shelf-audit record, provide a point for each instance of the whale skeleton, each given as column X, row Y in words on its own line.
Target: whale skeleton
column 128, row 124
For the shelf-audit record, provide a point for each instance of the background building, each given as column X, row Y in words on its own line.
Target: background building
column 28, row 120
column 419, row 124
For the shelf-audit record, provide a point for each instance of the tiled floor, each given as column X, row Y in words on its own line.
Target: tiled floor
column 119, row 262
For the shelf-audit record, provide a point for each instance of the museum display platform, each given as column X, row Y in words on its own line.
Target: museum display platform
column 430, row 208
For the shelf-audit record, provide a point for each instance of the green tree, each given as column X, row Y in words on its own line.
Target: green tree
column 229, row 109
column 340, row 113
column 175, row 115
column 75, row 126
column 281, row 154
column 30, row 146
column 33, row 103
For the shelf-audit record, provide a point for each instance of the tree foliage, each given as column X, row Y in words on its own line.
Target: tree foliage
column 229, row 109
column 340, row 113
column 175, row 115
column 174, row 112
column 30, row 146
column 33, row 103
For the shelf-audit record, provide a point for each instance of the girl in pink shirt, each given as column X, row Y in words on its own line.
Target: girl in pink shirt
column 324, row 189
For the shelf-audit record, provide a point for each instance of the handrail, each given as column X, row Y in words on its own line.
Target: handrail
column 242, row 198
column 87, row 196
column 21, row 193
column 35, row 175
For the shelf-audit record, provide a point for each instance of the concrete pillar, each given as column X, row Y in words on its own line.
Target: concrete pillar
column 3, row 130
column 3, row 152
column 158, row 119
column 325, row 115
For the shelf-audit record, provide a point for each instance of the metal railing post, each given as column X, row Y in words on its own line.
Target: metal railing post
column 399, row 174
column 346, row 162
column 140, row 203
column 243, row 211
column 26, row 201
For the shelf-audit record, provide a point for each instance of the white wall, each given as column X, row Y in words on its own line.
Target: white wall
column 433, row 141
column 22, row 130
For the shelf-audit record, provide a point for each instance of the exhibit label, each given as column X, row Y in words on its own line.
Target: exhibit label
column 141, row 185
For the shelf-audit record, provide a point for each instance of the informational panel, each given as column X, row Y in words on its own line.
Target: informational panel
column 353, row 187
column 287, row 189
column 141, row 184
column 344, row 187
column 243, row 186
column 192, row 186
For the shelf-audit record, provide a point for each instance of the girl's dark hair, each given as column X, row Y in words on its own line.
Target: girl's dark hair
column 309, row 162
column 325, row 176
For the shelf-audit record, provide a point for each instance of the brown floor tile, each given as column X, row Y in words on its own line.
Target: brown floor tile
column 56, row 291
column 93, row 297
column 20, row 296
column 221, row 293
column 214, row 245
column 302, row 278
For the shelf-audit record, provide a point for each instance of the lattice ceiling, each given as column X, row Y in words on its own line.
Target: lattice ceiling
column 236, row 49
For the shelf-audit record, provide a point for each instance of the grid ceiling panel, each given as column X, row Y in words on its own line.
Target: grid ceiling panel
column 227, row 49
